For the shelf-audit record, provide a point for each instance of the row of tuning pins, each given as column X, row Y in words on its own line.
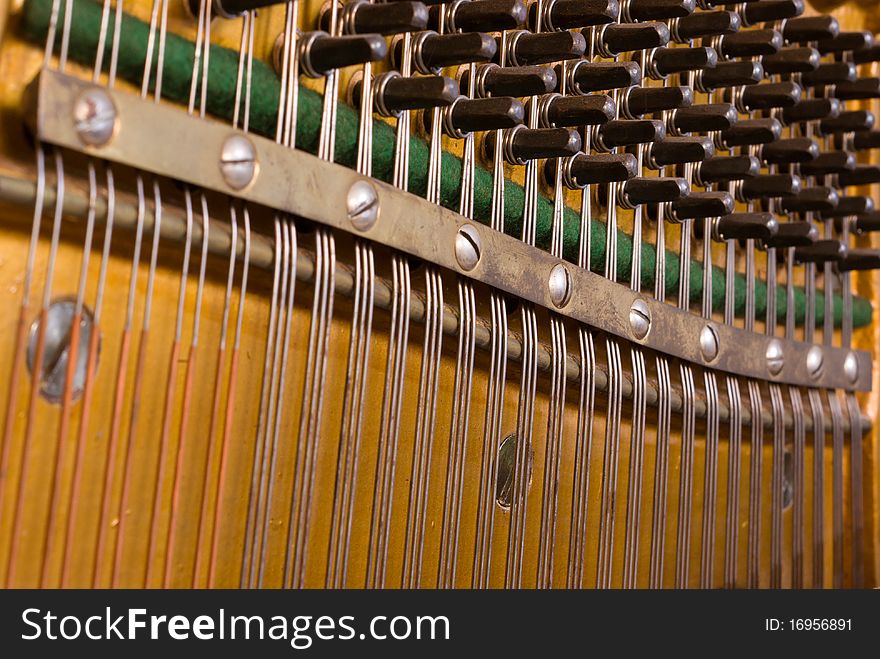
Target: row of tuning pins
column 806, row 67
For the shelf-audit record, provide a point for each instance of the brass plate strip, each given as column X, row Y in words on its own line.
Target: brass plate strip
column 166, row 141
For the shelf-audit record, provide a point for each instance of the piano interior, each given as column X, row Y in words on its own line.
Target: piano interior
column 477, row 294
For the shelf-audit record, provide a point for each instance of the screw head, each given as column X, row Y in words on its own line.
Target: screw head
column 58, row 349
column 505, row 478
column 362, row 205
column 94, row 116
column 468, row 247
column 851, row 367
column 640, row 318
column 709, row 343
column 815, row 361
column 774, row 356
column 238, row 162
column 559, row 284
column 788, row 479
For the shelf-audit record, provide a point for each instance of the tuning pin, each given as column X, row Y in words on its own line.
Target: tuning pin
column 617, row 38
column 625, row 132
column 572, row 111
column 752, row 131
column 483, row 16
column 791, row 60
column 585, row 77
column 867, row 55
column 653, row 190
column 665, row 61
column 869, row 139
column 819, row 199
column 521, row 144
column 582, row 170
column 709, row 4
column 558, row 111
column 793, row 234
column 570, row 14
column 363, row 17
column 748, row 43
column 432, row 51
column 704, row 118
column 811, row 109
column 857, row 90
column 848, row 222
column 821, row 251
column 679, row 150
column 648, row 100
column 766, row 96
column 828, row 162
column 831, row 73
column 846, row 41
column 493, row 80
column 350, row 23
column 320, row 53
column 768, row 11
column 525, row 48
column 394, row 94
column 729, row 74
column 789, row 151
column 726, row 168
column 229, row 8
column 483, row 114
column 848, row 205
column 865, row 223
column 769, row 186
column 848, row 122
column 746, row 226
column 810, row 28
column 860, row 175
column 704, row 24
column 860, row 259
column 658, row 10
column 698, row 205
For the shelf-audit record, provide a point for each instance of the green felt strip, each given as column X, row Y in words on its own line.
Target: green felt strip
column 176, row 78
